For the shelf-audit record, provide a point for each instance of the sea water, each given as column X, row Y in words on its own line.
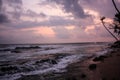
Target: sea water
column 17, row 60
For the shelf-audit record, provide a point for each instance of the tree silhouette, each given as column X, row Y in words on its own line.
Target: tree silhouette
column 115, row 6
column 102, row 20
column 116, row 23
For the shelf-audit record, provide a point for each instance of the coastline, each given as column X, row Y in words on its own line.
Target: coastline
column 106, row 69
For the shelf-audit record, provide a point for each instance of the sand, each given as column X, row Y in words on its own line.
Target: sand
column 110, row 68
column 106, row 69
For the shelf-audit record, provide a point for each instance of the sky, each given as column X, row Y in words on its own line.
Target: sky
column 55, row 21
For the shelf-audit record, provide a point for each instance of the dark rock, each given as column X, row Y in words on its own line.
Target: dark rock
column 4, row 64
column 15, row 51
column 51, row 61
column 100, row 58
column 21, row 48
column 44, row 60
column 31, row 47
column 114, row 79
column 8, row 68
column 48, row 48
column 34, row 47
column 40, row 61
column 73, row 78
column 116, row 45
column 70, row 78
column 2, row 74
column 92, row 66
column 83, row 76
column 104, row 79
column 37, row 62
column 30, row 77
column 26, row 69
column 6, row 50
column 59, row 56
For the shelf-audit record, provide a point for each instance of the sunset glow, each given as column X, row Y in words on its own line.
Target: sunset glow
column 54, row 20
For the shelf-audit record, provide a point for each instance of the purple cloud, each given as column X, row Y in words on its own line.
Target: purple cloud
column 72, row 6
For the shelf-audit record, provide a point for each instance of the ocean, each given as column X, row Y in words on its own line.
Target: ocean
column 17, row 60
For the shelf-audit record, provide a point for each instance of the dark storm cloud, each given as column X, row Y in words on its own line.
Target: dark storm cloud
column 15, row 1
column 3, row 19
column 0, row 4
column 42, row 15
column 16, row 5
column 72, row 6
column 31, row 13
column 10, row 10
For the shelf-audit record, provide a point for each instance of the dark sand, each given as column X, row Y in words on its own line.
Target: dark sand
column 106, row 69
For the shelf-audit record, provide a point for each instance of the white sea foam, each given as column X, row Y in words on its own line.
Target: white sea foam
column 77, row 53
column 101, row 53
column 60, row 67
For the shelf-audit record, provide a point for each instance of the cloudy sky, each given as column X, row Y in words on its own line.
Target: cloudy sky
column 54, row 21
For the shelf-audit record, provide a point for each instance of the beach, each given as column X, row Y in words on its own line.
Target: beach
column 106, row 69
column 86, row 61
column 59, row 39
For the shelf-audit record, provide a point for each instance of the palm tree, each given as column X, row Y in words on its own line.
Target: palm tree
column 116, row 20
column 108, row 29
column 115, row 6
column 116, row 24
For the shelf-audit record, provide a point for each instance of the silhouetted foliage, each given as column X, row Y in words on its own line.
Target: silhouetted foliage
column 116, row 22
column 102, row 20
column 115, row 25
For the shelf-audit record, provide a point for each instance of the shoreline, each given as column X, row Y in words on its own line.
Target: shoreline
column 106, row 68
